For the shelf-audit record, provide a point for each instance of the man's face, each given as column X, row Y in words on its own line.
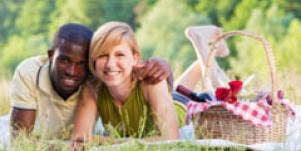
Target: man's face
column 68, row 68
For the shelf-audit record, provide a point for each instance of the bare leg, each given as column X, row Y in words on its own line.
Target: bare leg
column 190, row 77
column 200, row 37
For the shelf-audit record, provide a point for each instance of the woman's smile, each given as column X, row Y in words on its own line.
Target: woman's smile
column 111, row 74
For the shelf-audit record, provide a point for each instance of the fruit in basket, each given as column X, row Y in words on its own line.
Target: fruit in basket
column 229, row 94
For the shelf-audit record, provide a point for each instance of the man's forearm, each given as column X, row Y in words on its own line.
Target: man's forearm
column 22, row 120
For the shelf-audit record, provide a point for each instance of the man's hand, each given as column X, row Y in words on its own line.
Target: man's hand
column 153, row 71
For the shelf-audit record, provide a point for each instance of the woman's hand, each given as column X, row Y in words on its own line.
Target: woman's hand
column 77, row 145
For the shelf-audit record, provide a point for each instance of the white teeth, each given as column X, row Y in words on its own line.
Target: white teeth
column 69, row 82
column 111, row 72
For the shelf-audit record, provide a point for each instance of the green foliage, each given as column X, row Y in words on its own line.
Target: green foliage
column 289, row 48
column 291, row 6
column 162, row 34
column 9, row 11
column 272, row 25
column 125, row 11
column 94, row 12
column 242, row 12
column 18, row 49
column 66, row 11
column 33, row 17
column 27, row 28
column 280, row 29
column 218, row 11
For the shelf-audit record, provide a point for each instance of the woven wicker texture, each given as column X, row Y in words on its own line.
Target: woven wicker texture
column 217, row 122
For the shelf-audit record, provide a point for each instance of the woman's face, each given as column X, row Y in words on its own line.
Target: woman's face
column 115, row 67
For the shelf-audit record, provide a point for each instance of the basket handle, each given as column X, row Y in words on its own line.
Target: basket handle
column 268, row 53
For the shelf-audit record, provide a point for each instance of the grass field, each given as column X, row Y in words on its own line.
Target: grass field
column 23, row 143
column 290, row 83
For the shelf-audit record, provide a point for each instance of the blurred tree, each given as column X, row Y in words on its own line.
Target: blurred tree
column 290, row 6
column 33, row 18
column 125, row 11
column 141, row 9
column 271, row 24
column 27, row 31
column 30, row 36
column 289, row 48
column 41, row 19
column 242, row 13
column 218, row 11
column 27, row 27
column 162, row 33
column 66, row 11
column 9, row 11
column 19, row 48
column 93, row 13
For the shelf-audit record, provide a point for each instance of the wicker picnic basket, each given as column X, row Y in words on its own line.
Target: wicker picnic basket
column 219, row 123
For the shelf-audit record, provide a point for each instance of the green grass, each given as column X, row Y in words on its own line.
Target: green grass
column 32, row 144
column 135, row 144
column 290, row 82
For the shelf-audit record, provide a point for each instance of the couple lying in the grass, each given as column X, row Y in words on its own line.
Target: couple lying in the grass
column 131, row 106
column 131, row 98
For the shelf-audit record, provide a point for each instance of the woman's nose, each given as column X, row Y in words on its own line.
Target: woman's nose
column 111, row 61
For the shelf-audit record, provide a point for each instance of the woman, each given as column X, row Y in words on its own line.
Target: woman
column 126, row 104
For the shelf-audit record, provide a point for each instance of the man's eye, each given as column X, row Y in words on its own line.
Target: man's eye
column 64, row 60
column 82, row 63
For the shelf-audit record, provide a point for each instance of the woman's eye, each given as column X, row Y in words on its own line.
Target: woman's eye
column 120, row 54
column 102, row 56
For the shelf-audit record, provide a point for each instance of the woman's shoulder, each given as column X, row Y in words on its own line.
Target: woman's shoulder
column 152, row 86
column 154, row 89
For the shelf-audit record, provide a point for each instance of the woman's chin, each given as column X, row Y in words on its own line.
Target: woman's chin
column 112, row 83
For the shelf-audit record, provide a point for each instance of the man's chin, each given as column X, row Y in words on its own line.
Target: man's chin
column 70, row 89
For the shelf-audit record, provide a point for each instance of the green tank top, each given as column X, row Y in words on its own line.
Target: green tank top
column 133, row 118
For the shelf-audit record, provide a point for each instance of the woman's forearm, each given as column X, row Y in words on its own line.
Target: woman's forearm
column 164, row 113
column 85, row 117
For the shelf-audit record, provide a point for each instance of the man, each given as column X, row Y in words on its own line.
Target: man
column 45, row 89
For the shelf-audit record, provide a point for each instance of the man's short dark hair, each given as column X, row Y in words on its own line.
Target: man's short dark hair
column 74, row 33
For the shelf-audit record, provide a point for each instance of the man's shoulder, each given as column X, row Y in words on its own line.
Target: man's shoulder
column 32, row 64
column 35, row 61
column 23, row 84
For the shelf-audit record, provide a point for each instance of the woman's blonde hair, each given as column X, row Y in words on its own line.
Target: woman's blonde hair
column 109, row 35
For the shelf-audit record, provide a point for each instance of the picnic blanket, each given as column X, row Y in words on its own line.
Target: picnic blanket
column 4, row 131
column 292, row 142
column 257, row 113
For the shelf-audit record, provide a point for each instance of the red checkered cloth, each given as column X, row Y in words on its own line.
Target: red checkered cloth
column 257, row 113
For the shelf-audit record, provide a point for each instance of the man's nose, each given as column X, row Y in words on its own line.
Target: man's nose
column 71, row 70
